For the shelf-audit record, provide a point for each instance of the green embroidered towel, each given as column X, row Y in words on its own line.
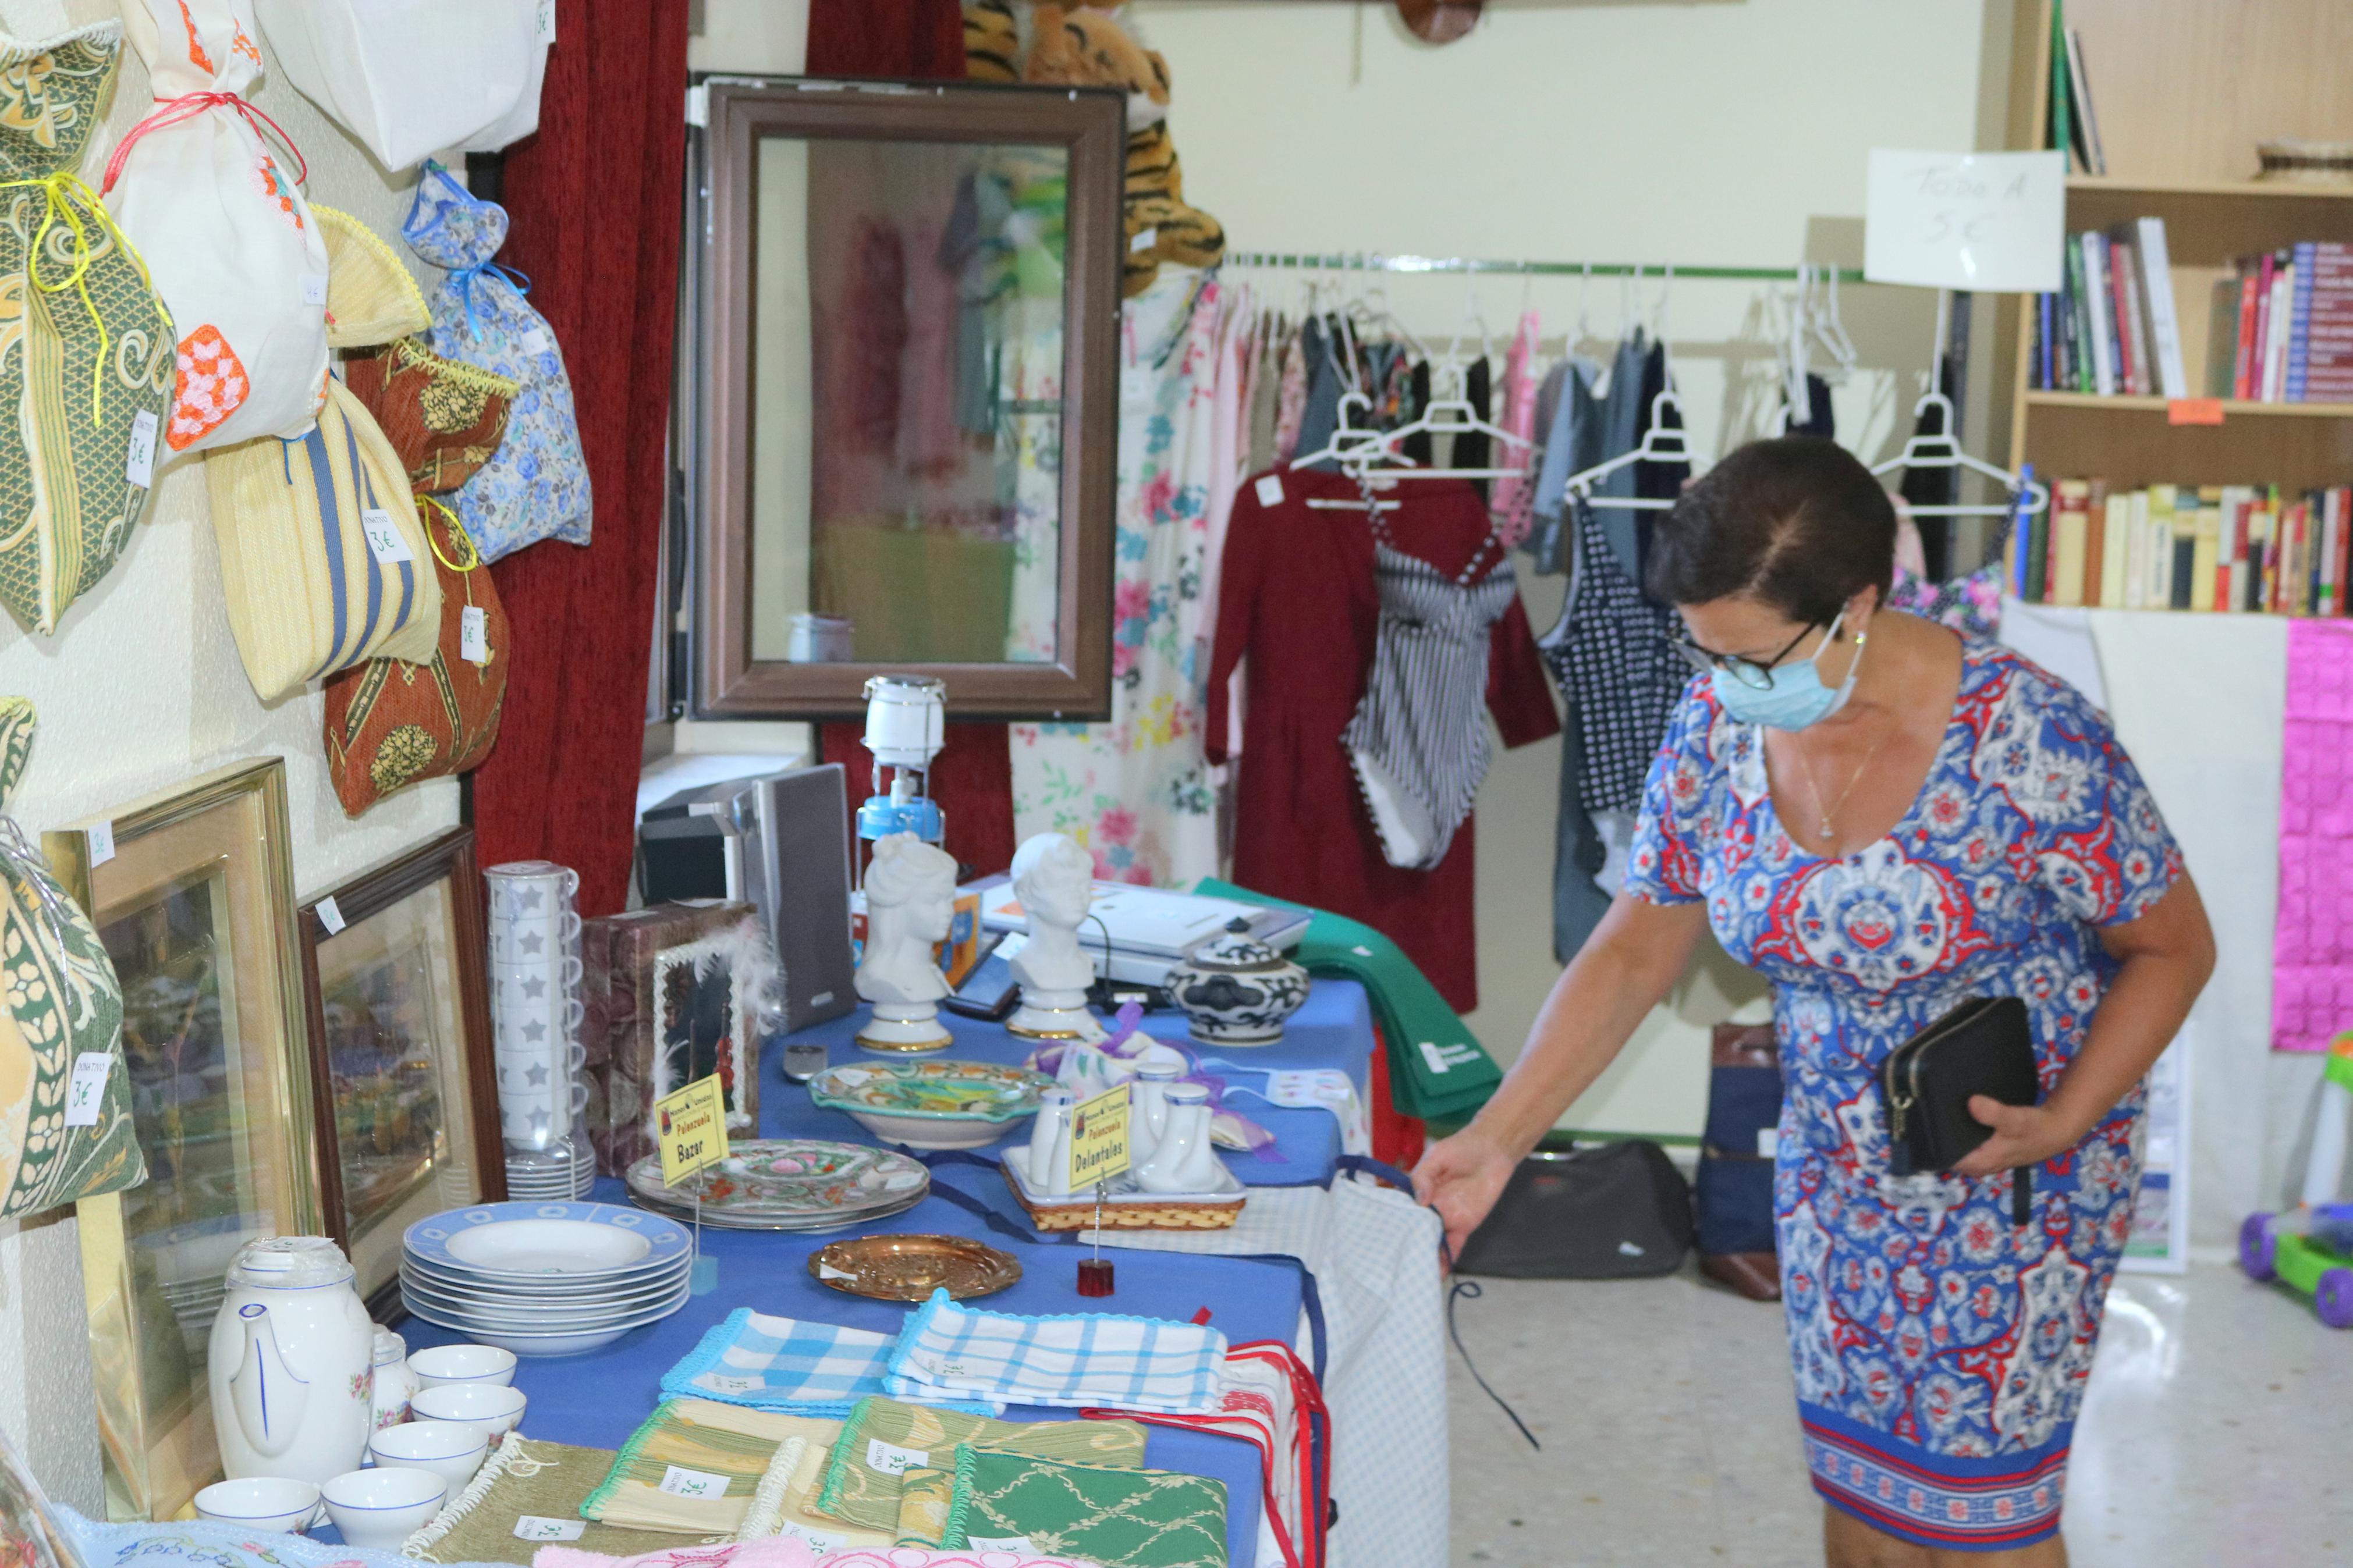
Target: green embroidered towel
column 1438, row 1069
column 1120, row 1519
column 696, row 1466
column 522, row 1480
column 883, row 1438
column 785, row 1502
column 925, row 1496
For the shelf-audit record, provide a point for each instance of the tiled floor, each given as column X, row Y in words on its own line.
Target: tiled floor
column 2219, row 1430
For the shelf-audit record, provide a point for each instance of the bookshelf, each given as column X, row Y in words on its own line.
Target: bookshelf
column 2184, row 90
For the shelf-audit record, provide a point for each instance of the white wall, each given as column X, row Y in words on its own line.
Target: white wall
column 1724, row 133
column 140, row 688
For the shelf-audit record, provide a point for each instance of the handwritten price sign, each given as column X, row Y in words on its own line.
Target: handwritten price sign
column 1990, row 222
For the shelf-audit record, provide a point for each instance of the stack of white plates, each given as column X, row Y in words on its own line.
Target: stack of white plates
column 544, row 1279
column 565, row 1171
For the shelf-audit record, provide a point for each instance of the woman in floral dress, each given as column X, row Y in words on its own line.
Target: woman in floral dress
column 1886, row 818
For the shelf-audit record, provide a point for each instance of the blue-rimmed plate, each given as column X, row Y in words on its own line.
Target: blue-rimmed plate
column 533, row 1240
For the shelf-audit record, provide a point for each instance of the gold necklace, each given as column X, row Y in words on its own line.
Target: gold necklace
column 1827, row 811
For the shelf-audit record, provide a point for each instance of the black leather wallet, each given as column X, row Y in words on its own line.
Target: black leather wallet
column 1982, row 1047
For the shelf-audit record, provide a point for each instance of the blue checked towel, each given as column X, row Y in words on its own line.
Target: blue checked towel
column 1078, row 1359
column 804, row 1369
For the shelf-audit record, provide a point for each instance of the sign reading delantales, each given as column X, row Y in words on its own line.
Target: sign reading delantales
column 1988, row 222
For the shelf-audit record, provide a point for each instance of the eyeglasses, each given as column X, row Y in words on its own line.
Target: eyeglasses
column 1748, row 672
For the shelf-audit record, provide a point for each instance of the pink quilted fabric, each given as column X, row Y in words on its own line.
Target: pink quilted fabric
column 781, row 1552
column 2312, row 946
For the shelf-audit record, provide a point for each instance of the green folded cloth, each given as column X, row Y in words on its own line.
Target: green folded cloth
column 925, row 1497
column 535, row 1480
column 1438, row 1069
column 884, row 1438
column 1120, row 1519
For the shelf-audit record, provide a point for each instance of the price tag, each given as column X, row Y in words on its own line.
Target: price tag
column 894, row 1460
column 533, row 342
column 728, row 1382
column 474, row 634
column 1142, row 239
column 1304, row 1089
column 1270, row 490
column 537, row 1527
column 139, row 457
column 827, row 1271
column 101, row 845
column 822, row 1540
column 383, row 540
column 1768, row 1143
column 330, row 914
column 87, row 1087
column 2194, row 411
column 680, row 1481
column 1099, row 1138
column 314, row 288
column 547, row 21
column 1002, row 1543
column 690, row 1129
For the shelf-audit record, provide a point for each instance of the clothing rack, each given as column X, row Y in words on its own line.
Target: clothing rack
column 1375, row 261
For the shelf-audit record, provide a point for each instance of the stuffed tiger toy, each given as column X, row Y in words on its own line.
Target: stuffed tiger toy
column 992, row 43
column 1086, row 48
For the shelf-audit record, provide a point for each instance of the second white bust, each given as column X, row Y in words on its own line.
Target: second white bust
column 910, row 906
column 1054, row 879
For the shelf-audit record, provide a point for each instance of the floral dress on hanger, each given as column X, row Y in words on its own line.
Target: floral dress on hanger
column 1940, row 1351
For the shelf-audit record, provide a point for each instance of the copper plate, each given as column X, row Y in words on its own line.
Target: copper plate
column 910, row 1267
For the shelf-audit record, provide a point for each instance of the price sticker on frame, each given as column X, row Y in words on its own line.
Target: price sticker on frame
column 1099, row 1139
column 690, row 1129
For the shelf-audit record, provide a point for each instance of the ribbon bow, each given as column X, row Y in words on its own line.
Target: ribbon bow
column 77, row 207
column 173, row 111
column 462, row 279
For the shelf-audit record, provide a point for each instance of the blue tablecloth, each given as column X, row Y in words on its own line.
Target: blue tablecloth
column 1334, row 1029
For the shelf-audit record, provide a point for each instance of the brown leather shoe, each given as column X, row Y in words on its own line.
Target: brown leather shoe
column 1756, row 1275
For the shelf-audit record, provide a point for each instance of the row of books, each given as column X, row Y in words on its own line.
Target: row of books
column 2112, row 328
column 2282, row 327
column 2248, row 548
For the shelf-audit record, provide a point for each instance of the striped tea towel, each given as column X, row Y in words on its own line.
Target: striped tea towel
column 1078, row 1359
column 783, row 1363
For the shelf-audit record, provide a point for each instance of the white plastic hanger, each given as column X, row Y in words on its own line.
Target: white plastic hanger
column 1829, row 331
column 1443, row 416
column 1944, row 452
column 1661, row 443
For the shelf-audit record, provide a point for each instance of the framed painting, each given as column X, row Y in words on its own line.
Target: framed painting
column 193, row 895
column 393, row 974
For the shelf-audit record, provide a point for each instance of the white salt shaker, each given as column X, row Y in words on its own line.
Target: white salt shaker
column 1147, row 1120
column 396, row 1385
column 1185, row 1161
column 1049, row 1164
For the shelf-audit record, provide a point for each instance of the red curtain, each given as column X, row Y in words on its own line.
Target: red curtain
column 972, row 780
column 595, row 204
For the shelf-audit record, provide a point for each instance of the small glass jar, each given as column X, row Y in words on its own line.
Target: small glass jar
column 804, row 1059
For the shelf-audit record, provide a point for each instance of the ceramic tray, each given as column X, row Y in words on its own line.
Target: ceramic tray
column 935, row 1104
column 789, row 1184
column 910, row 1267
column 1127, row 1206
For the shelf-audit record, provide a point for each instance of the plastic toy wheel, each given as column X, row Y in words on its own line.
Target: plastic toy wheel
column 2334, row 1297
column 2257, row 1248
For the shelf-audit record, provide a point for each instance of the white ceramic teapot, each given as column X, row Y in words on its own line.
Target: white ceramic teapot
column 291, row 1363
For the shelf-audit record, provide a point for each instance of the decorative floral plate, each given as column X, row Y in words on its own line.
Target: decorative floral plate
column 937, row 1104
column 789, row 1184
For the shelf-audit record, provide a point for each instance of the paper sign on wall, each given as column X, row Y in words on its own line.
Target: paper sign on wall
column 1099, row 1139
column 1990, row 222
column 690, row 1129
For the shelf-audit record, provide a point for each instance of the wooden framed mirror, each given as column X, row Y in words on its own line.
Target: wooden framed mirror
column 901, row 410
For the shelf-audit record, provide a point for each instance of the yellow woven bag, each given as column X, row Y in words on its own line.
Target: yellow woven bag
column 371, row 298
column 324, row 561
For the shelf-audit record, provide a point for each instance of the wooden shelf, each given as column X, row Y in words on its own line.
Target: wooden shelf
column 2258, row 190
column 2232, row 408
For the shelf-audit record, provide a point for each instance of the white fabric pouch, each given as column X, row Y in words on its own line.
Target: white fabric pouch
column 412, row 79
column 216, row 208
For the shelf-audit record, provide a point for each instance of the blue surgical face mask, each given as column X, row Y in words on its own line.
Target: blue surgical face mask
column 1797, row 697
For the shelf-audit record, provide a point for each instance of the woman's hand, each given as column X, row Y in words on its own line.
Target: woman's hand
column 1461, row 1177
column 2023, row 1135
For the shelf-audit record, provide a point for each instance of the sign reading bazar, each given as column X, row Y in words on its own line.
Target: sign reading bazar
column 690, row 1129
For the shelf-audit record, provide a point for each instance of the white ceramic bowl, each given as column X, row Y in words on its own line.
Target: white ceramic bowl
column 382, row 1508
column 453, row 1450
column 437, row 1365
column 259, row 1503
column 491, row 1409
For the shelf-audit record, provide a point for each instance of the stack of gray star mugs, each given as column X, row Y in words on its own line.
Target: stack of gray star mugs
column 537, row 1011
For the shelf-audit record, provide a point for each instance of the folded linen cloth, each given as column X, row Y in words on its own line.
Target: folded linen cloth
column 1120, row 1519
column 926, row 1495
column 1078, row 1359
column 696, row 1466
column 785, row 1502
column 785, row 1364
column 522, row 1478
column 882, row 1438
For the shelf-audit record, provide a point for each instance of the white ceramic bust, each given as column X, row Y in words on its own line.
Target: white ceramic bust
column 1053, row 879
column 909, row 907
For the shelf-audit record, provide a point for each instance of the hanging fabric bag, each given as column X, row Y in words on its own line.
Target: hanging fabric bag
column 390, row 723
column 210, row 189
column 390, row 76
column 536, row 487
column 371, row 298
column 64, row 1091
column 87, row 374
column 444, row 416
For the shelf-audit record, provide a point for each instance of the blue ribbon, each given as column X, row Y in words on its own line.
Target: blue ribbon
column 462, row 279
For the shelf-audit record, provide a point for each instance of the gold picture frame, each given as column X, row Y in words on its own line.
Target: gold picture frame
column 193, row 895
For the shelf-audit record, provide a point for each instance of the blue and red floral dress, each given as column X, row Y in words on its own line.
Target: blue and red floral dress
column 1940, row 1349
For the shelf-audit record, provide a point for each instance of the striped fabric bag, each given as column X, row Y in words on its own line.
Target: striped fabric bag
column 322, row 557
